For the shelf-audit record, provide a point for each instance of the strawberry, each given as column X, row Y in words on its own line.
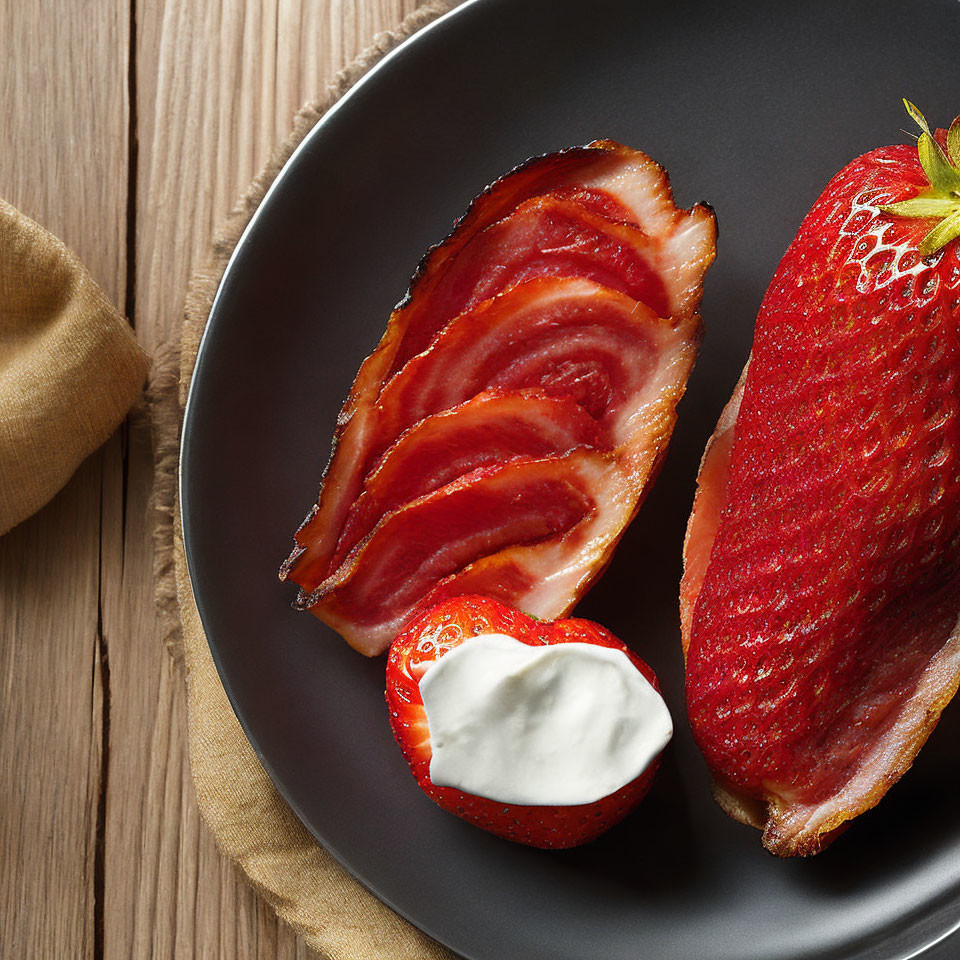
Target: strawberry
column 822, row 589
column 430, row 637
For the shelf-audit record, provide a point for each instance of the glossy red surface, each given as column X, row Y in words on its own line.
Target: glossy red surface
column 442, row 629
column 834, row 578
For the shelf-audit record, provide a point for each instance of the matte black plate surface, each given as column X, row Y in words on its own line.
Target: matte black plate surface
column 751, row 106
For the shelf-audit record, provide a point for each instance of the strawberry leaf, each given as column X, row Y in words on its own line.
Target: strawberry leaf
column 922, row 207
column 918, row 117
column 943, row 176
column 953, row 141
column 942, row 201
column 946, row 230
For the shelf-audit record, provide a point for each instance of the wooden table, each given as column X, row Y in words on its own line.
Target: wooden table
column 129, row 128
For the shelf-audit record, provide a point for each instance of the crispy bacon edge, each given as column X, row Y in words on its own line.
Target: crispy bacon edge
column 533, row 176
column 527, row 424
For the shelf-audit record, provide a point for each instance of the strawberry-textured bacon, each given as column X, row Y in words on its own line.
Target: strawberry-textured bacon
column 573, row 282
column 821, row 593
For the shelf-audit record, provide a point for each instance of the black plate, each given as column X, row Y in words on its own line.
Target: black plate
column 752, row 106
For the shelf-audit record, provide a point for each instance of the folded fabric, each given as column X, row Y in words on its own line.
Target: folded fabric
column 70, row 366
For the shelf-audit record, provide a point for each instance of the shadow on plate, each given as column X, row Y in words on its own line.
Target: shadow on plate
column 661, row 831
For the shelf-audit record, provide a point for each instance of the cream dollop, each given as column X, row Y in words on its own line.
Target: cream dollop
column 555, row 725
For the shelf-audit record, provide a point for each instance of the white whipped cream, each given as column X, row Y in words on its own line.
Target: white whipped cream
column 555, row 725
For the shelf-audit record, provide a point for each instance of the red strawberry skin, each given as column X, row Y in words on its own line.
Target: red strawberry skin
column 437, row 632
column 834, row 578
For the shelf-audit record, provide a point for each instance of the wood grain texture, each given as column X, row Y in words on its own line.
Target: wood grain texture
column 64, row 119
column 136, row 125
column 217, row 85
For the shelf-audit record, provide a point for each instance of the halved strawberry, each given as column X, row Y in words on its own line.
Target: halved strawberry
column 435, row 634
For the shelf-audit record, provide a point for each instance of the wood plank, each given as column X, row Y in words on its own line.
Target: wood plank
column 217, row 86
column 50, row 725
column 63, row 113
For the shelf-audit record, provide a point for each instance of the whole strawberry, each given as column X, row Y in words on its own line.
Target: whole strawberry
column 460, row 621
column 822, row 588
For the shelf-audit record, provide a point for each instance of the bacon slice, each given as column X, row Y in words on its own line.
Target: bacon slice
column 490, row 429
column 702, row 526
column 708, row 504
column 644, row 361
column 543, row 237
column 603, row 181
column 569, row 337
column 540, row 530
column 604, row 177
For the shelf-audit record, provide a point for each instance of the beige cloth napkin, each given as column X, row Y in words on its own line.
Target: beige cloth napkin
column 70, row 366
column 251, row 823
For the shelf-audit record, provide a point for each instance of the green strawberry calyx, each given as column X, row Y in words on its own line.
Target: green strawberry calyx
column 942, row 201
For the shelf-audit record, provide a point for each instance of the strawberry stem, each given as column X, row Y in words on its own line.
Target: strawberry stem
column 942, row 201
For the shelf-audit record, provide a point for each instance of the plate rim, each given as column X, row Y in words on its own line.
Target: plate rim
column 183, row 496
column 184, row 456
